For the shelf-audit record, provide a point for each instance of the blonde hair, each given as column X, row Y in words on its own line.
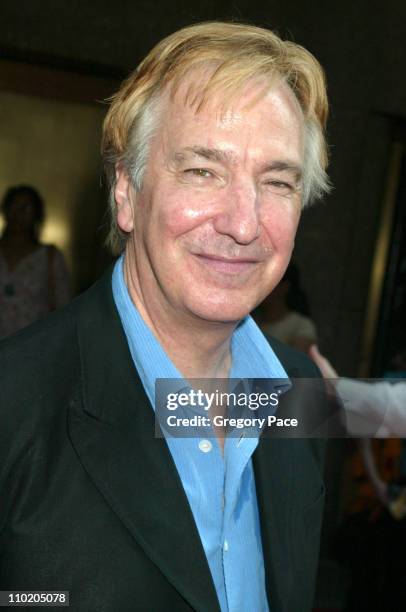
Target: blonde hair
column 236, row 53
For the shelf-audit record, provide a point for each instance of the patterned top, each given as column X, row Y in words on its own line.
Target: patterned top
column 30, row 291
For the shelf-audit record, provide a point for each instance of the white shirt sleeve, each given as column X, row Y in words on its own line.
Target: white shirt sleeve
column 374, row 409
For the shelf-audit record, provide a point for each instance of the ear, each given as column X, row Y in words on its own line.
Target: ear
column 124, row 196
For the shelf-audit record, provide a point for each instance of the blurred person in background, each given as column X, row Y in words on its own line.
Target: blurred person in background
column 380, row 404
column 284, row 314
column 33, row 276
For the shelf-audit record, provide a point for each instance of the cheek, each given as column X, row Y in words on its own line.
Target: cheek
column 280, row 224
column 181, row 212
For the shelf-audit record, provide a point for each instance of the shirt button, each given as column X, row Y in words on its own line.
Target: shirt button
column 205, row 446
column 225, row 547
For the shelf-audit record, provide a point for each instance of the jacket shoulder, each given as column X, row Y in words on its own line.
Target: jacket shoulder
column 296, row 363
column 41, row 376
column 36, row 348
column 41, row 366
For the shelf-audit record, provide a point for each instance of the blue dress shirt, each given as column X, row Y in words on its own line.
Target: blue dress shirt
column 220, row 488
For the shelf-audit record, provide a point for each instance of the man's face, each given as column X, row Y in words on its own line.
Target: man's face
column 213, row 227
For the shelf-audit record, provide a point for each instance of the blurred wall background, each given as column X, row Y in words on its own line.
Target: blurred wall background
column 53, row 146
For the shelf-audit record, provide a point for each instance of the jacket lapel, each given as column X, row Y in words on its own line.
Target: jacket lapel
column 285, row 471
column 112, row 428
column 273, row 467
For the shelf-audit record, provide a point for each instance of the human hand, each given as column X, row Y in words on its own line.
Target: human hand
column 322, row 362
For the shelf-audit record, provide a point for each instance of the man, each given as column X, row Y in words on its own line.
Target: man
column 212, row 147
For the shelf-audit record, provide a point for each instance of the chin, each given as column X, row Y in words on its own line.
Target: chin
column 228, row 311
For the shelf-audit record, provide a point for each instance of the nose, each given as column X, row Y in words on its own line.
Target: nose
column 239, row 214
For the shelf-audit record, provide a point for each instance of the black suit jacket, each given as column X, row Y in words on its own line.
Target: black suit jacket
column 91, row 501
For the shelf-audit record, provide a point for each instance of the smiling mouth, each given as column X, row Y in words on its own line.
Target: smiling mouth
column 226, row 265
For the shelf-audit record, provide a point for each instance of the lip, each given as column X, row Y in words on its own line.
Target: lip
column 226, row 265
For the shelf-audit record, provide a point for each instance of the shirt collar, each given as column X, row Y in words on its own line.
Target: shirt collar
column 252, row 356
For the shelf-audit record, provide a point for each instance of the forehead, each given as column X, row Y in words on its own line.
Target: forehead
column 258, row 117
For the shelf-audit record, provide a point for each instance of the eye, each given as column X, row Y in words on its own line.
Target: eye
column 280, row 187
column 199, row 172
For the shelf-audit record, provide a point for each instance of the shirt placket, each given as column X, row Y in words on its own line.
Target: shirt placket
column 237, row 454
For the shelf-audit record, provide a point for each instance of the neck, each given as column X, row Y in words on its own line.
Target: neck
column 198, row 348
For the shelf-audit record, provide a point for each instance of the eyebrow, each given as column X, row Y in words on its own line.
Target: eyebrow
column 216, row 155
column 220, row 156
